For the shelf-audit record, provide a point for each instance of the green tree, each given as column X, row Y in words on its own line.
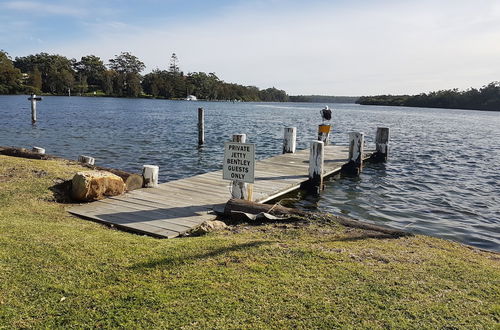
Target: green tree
column 90, row 70
column 56, row 71
column 174, row 64
column 10, row 76
column 128, row 80
column 35, row 79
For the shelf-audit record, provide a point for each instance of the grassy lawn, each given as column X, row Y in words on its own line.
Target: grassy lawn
column 60, row 271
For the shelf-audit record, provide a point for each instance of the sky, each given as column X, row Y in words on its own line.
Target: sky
column 336, row 47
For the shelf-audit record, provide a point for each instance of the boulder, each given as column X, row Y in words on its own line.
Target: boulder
column 95, row 185
column 207, row 227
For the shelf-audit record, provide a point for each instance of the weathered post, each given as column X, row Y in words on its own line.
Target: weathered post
column 150, row 175
column 324, row 133
column 381, row 145
column 33, row 98
column 316, row 163
column 86, row 160
column 240, row 190
column 290, row 140
column 38, row 150
column 356, row 150
column 201, row 126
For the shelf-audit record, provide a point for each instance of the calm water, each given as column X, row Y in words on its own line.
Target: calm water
column 443, row 177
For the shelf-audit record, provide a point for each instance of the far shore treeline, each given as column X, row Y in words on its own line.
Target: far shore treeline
column 51, row 74
column 485, row 98
column 121, row 77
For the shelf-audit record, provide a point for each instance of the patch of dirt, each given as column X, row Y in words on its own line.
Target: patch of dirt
column 39, row 173
column 8, row 175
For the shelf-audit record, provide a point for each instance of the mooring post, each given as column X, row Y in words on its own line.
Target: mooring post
column 356, row 150
column 38, row 150
column 290, row 140
column 316, row 163
column 86, row 160
column 381, row 144
column 33, row 108
column 241, row 190
column 150, row 175
column 201, row 126
column 324, row 133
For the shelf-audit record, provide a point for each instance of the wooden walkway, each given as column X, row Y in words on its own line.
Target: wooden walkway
column 177, row 206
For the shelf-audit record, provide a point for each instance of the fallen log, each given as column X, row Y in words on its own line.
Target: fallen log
column 22, row 152
column 239, row 205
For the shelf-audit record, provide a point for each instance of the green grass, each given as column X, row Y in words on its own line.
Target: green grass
column 60, row 271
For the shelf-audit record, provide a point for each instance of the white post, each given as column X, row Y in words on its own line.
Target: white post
column 356, row 150
column 201, row 126
column 382, row 143
column 240, row 190
column 316, row 164
column 33, row 108
column 86, row 160
column 290, row 140
column 38, row 150
column 150, row 175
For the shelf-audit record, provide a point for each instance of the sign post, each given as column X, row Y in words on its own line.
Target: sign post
column 239, row 166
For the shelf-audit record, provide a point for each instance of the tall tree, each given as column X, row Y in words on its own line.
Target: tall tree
column 90, row 70
column 10, row 77
column 174, row 64
column 56, row 71
column 128, row 81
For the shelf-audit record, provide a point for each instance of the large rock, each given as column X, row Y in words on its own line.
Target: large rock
column 95, row 185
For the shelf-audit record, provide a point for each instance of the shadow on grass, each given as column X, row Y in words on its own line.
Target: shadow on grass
column 62, row 191
column 178, row 260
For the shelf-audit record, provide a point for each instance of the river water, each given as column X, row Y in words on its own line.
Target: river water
column 442, row 179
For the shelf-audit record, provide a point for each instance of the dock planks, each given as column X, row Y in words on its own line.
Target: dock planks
column 176, row 206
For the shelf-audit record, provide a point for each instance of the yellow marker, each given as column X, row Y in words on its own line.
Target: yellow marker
column 324, row 128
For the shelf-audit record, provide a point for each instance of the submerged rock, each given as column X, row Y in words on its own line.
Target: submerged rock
column 95, row 185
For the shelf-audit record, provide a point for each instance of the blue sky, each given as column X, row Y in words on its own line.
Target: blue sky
column 305, row 47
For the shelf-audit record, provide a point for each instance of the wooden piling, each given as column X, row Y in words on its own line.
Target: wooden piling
column 201, row 126
column 316, row 164
column 356, row 150
column 86, row 160
column 324, row 133
column 290, row 140
column 150, row 175
column 241, row 190
column 381, row 145
column 38, row 150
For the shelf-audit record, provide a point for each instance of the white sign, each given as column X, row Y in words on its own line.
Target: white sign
column 239, row 162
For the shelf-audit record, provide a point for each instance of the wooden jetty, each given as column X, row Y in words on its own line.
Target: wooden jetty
column 172, row 208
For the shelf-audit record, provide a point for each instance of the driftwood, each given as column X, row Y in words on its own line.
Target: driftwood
column 24, row 153
column 238, row 205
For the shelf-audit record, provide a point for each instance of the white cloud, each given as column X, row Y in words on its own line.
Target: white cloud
column 41, row 8
column 390, row 47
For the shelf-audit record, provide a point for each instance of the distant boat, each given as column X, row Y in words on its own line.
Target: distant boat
column 191, row 98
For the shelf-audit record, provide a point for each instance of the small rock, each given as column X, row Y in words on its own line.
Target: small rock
column 207, row 227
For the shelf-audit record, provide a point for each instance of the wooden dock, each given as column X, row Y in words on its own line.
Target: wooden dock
column 174, row 207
